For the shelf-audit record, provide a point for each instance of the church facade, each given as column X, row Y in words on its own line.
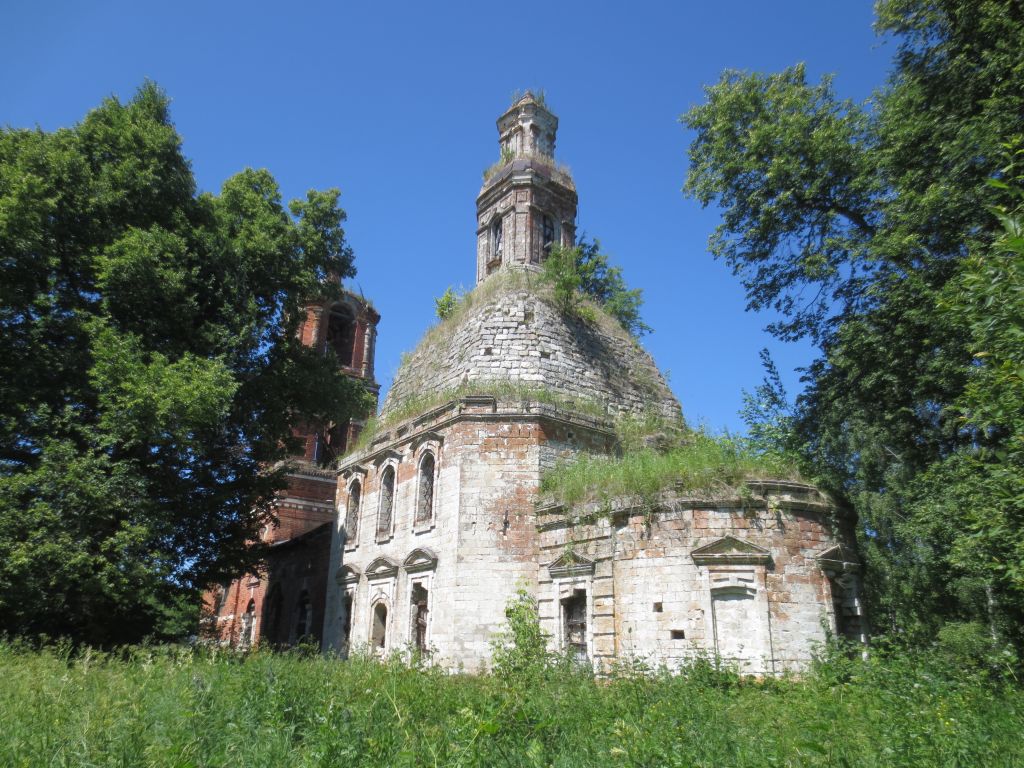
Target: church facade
column 438, row 520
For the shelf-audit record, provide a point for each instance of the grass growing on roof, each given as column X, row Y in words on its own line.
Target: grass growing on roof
column 699, row 463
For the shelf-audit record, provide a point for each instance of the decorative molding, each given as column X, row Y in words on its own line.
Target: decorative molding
column 347, row 574
column 839, row 559
column 420, row 559
column 428, row 436
column 731, row 551
column 382, row 568
column 349, row 472
column 571, row 565
column 384, row 456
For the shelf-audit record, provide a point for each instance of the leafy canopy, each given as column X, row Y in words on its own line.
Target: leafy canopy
column 150, row 374
column 583, row 271
column 870, row 229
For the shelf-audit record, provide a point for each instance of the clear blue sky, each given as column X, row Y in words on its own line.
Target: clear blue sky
column 395, row 104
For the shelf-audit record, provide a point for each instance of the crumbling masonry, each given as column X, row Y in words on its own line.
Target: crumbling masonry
column 439, row 520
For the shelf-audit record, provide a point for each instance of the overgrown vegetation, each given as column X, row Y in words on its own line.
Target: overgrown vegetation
column 583, row 273
column 889, row 233
column 182, row 707
column 653, row 461
column 150, row 371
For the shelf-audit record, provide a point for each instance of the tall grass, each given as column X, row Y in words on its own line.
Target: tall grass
column 699, row 463
column 176, row 707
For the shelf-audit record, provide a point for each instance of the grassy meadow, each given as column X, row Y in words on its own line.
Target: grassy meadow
column 174, row 706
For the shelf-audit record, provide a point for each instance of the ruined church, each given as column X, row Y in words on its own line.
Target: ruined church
column 422, row 534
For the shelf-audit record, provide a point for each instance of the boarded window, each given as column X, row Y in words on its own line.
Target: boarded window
column 574, row 624
column 378, row 637
column 425, row 497
column 420, row 609
column 341, row 334
column 355, row 493
column 737, row 624
column 387, row 502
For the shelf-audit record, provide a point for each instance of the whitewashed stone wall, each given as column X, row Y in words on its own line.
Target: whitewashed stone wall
column 744, row 579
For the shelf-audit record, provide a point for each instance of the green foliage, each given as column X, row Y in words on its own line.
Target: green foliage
column 768, row 414
column 166, row 706
column 869, row 228
column 698, row 463
column 520, row 650
column 583, row 272
column 150, row 369
column 446, row 304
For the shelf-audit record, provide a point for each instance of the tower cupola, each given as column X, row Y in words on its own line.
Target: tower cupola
column 527, row 204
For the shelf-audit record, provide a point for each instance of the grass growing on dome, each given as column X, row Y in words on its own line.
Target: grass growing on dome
column 698, row 462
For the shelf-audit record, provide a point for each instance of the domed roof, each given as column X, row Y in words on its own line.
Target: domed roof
column 510, row 334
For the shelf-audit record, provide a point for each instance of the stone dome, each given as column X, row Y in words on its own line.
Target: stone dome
column 510, row 333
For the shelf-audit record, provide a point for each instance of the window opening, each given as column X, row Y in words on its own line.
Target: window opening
column 420, row 609
column 425, row 502
column 548, row 234
column 332, row 443
column 378, row 637
column 387, row 502
column 272, row 612
column 341, row 334
column 574, row 616
column 352, row 512
column 347, row 628
column 248, row 625
column 497, row 240
column 305, row 617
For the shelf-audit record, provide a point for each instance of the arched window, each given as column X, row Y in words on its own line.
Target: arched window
column 341, row 334
column 387, row 502
column 497, row 240
column 425, row 489
column 304, row 619
column 378, row 637
column 355, row 493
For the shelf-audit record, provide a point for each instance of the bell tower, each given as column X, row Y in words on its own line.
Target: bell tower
column 527, row 203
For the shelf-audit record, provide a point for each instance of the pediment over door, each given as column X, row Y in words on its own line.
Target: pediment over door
column 381, row 568
column 840, row 558
column 571, row 564
column 420, row 559
column 731, row 551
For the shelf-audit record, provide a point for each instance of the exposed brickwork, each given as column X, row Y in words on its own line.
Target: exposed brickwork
column 288, row 593
column 756, row 580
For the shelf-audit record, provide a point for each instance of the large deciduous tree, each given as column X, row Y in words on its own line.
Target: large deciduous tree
column 150, row 373
column 856, row 224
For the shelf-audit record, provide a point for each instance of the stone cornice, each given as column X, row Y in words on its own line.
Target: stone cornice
column 407, row 432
